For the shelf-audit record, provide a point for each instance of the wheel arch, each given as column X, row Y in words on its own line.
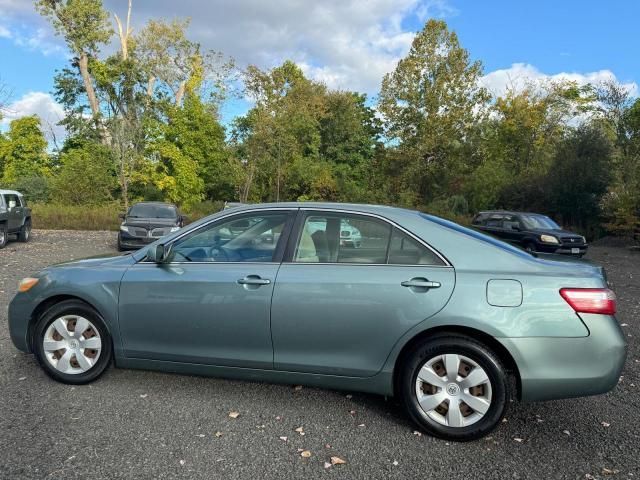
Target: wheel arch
column 494, row 345
column 48, row 303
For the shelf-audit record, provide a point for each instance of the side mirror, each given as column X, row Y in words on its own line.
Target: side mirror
column 122, row 216
column 159, row 253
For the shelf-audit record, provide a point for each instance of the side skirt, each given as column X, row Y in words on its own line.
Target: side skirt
column 381, row 383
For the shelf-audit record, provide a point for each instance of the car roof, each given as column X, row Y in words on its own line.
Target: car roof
column 154, row 203
column 9, row 192
column 363, row 207
column 510, row 212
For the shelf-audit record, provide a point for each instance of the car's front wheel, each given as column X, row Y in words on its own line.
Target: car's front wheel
column 72, row 343
column 454, row 387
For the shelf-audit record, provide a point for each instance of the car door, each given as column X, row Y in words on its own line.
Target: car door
column 210, row 303
column 13, row 211
column 338, row 308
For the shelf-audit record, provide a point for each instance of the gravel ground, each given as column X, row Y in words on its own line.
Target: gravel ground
column 153, row 425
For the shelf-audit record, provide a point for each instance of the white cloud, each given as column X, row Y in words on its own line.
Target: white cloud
column 348, row 44
column 520, row 74
column 4, row 32
column 41, row 104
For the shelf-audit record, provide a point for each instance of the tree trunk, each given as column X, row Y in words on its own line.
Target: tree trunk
column 88, row 85
column 150, row 86
column 180, row 93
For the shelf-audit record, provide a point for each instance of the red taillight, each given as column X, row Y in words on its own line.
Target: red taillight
column 590, row 300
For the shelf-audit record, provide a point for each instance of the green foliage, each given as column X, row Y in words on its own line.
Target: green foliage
column 24, row 152
column 35, row 188
column 84, row 24
column 431, row 103
column 86, row 176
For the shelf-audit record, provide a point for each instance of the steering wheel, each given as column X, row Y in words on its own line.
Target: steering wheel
column 218, row 254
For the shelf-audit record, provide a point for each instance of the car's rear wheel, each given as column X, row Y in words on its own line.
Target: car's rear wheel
column 72, row 343
column 25, row 232
column 454, row 387
column 4, row 235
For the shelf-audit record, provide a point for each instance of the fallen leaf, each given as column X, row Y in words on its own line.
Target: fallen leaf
column 566, row 432
column 305, row 454
column 337, row 461
column 519, row 440
column 417, row 433
column 300, row 430
column 298, row 387
column 278, row 418
column 201, row 435
column 284, row 439
column 351, row 396
column 218, row 434
column 327, row 446
column 588, row 476
column 605, row 424
column 327, row 465
column 352, row 412
column 361, row 425
column 608, row 471
column 395, row 463
column 504, row 420
column 182, row 462
column 144, row 395
column 624, row 325
column 234, row 414
column 22, row 378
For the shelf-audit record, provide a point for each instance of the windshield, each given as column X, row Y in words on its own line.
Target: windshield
column 539, row 222
column 148, row 210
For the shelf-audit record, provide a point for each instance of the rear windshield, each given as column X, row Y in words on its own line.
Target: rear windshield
column 147, row 210
column 475, row 234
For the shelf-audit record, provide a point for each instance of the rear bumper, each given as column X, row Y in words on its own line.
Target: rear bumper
column 558, row 367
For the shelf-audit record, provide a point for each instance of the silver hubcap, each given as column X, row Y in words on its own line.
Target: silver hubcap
column 72, row 344
column 453, row 390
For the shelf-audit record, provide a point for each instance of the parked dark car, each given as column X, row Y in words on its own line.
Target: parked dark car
column 145, row 222
column 532, row 231
column 15, row 217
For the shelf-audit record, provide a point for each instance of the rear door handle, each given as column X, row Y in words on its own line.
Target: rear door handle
column 254, row 280
column 420, row 283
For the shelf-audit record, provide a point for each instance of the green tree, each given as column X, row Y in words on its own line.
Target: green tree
column 86, row 176
column 431, row 102
column 24, row 153
column 85, row 26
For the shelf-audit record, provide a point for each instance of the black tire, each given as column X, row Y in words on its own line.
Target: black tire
column 24, row 235
column 474, row 350
column 72, row 307
column 4, row 235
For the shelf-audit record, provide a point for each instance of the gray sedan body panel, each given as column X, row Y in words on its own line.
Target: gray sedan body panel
column 342, row 326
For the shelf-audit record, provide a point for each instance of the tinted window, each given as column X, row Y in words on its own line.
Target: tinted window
column 343, row 238
column 404, row 250
column 149, row 210
column 494, row 221
column 247, row 238
column 10, row 197
column 510, row 221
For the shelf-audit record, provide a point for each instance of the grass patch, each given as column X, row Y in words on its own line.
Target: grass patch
column 48, row 216
column 72, row 217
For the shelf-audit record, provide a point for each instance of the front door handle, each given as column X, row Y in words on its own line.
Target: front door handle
column 420, row 283
column 254, row 280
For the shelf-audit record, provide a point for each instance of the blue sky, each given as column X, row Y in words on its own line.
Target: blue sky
column 350, row 44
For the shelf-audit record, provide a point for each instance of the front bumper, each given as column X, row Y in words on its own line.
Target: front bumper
column 558, row 367
column 20, row 310
column 127, row 241
column 564, row 249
